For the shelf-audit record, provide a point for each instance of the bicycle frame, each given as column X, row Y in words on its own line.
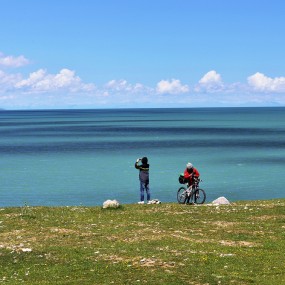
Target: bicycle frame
column 191, row 189
column 192, row 194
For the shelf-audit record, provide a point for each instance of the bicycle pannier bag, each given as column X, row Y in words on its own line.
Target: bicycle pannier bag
column 181, row 179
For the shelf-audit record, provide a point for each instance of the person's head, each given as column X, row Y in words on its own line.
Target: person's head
column 189, row 166
column 144, row 160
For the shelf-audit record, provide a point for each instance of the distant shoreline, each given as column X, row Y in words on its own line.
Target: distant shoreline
column 144, row 108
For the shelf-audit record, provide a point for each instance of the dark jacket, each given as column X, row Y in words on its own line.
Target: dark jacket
column 144, row 172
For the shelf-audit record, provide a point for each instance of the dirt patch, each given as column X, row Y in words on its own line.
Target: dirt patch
column 238, row 243
column 63, row 231
column 152, row 262
column 267, row 217
column 223, row 224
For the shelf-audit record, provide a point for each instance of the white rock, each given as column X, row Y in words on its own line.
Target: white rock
column 221, row 201
column 26, row 249
column 111, row 204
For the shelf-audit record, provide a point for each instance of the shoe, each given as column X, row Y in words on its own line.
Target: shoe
column 141, row 202
column 149, row 202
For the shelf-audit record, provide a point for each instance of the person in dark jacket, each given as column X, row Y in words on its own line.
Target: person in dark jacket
column 143, row 167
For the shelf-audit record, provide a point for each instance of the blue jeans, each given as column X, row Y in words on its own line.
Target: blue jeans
column 144, row 188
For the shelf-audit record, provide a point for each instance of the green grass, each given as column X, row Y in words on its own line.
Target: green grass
column 243, row 243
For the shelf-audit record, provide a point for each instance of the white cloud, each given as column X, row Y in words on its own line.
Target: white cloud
column 263, row 83
column 123, row 86
column 41, row 81
column 171, row 87
column 210, row 82
column 211, row 77
column 11, row 61
column 8, row 81
column 118, row 85
column 66, row 89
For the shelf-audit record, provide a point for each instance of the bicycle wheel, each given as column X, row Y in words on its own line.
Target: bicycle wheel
column 199, row 196
column 181, row 195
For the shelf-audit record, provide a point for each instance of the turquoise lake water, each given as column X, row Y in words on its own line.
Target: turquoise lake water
column 83, row 157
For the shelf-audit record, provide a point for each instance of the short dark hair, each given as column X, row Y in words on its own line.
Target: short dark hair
column 144, row 160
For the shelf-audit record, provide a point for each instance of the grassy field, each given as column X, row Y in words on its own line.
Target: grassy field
column 242, row 243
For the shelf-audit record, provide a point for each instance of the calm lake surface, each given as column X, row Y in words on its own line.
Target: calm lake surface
column 84, row 157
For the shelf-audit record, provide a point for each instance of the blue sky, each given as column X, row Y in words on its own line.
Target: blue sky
column 141, row 53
